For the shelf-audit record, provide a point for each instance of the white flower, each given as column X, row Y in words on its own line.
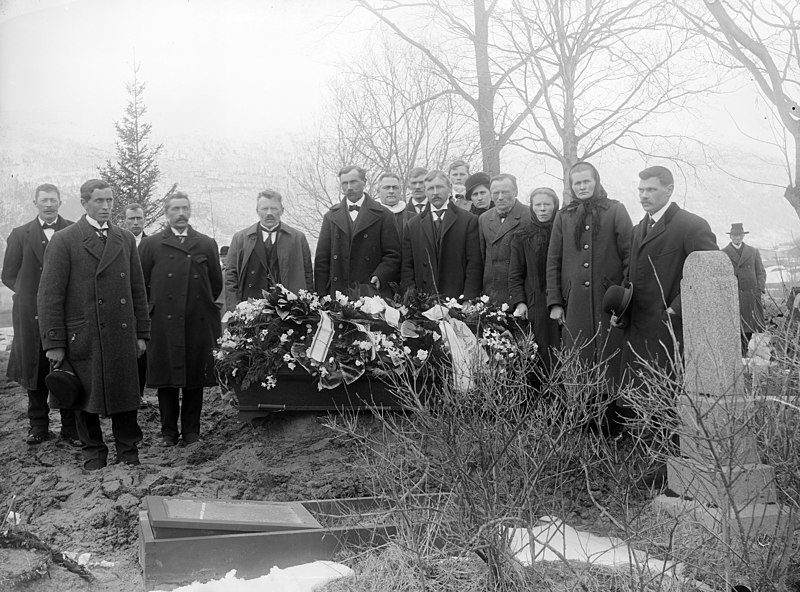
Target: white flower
column 485, row 299
column 373, row 305
column 406, row 350
column 291, row 365
column 341, row 298
column 422, row 355
column 287, row 358
column 505, row 307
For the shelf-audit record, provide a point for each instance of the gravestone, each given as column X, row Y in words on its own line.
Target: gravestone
column 718, row 475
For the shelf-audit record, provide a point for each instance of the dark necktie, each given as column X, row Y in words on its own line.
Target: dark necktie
column 353, row 208
column 649, row 226
column 503, row 218
column 182, row 238
column 437, row 223
column 101, row 233
column 420, row 207
column 51, row 226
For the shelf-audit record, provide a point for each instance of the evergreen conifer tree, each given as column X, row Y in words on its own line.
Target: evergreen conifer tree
column 134, row 175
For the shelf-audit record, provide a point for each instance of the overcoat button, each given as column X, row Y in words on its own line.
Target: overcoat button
column 40, row 269
column 586, row 227
column 196, row 276
column 365, row 235
column 169, row 316
column 336, row 256
column 586, row 264
column 124, row 325
column 36, row 318
column 253, row 272
column 249, row 285
column 585, row 247
column 51, row 332
column 99, row 301
column 188, row 256
column 122, row 274
column 170, row 275
column 335, row 279
column 122, row 301
column 586, row 283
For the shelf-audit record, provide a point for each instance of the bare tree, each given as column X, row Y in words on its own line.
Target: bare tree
column 381, row 117
column 761, row 38
column 474, row 66
column 605, row 69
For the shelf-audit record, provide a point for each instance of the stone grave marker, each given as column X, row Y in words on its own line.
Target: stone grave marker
column 718, row 474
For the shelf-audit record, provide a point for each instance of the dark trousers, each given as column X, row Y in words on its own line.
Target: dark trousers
column 39, row 410
column 142, row 367
column 125, row 428
column 172, row 408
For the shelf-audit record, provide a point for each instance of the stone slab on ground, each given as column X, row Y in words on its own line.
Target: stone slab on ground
column 744, row 484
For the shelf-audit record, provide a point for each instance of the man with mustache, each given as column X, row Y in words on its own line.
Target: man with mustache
column 441, row 249
column 22, row 270
column 134, row 223
column 358, row 251
column 183, row 278
column 267, row 253
column 416, row 187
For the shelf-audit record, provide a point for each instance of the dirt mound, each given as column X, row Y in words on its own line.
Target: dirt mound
column 287, row 457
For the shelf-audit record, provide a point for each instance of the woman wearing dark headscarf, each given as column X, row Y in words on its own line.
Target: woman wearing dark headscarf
column 589, row 251
column 527, row 277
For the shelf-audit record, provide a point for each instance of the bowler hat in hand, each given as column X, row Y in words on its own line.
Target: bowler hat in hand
column 64, row 385
column 617, row 299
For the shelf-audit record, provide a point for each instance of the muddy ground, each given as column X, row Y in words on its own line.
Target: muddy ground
column 287, row 457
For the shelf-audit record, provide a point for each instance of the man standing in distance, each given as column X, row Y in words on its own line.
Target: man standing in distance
column 389, row 196
column 416, row 185
column 93, row 312
column 22, row 270
column 661, row 243
column 497, row 228
column 267, row 253
column 752, row 279
column 458, row 173
column 134, row 223
column 441, row 250
column 358, row 243
column 183, row 278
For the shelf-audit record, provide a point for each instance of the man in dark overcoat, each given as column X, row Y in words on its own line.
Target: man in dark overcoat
column 441, row 250
column 183, row 278
column 134, row 223
column 660, row 245
column 358, row 246
column 267, row 253
column 93, row 312
column 22, row 270
column 752, row 279
column 497, row 227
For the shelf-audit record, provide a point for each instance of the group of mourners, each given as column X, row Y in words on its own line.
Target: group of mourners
column 101, row 310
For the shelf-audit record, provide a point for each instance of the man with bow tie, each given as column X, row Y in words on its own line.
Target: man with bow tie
column 660, row 244
column 358, row 251
column 22, row 270
column 267, row 253
column 93, row 314
column 441, row 249
column 183, row 278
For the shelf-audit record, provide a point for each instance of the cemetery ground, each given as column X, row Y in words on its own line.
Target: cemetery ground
column 500, row 462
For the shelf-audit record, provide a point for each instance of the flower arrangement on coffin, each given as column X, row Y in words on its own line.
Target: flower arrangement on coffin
column 339, row 340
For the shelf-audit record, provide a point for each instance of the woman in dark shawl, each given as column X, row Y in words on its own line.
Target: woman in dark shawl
column 589, row 251
column 527, row 273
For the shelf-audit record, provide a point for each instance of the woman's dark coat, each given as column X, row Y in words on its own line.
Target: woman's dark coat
column 92, row 301
column 183, row 282
column 577, row 278
column 527, row 282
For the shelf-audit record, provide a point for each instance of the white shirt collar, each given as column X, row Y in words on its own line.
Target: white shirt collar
column 177, row 233
column 358, row 203
column 42, row 222
column 657, row 216
column 443, row 209
column 396, row 208
column 96, row 224
column 737, row 247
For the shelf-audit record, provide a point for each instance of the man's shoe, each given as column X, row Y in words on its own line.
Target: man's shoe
column 167, row 442
column 94, row 464
column 191, row 439
column 73, row 441
column 36, row 438
column 128, row 460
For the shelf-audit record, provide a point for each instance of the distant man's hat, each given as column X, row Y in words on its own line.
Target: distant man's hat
column 738, row 228
column 474, row 181
column 617, row 299
column 64, row 385
column 223, row 251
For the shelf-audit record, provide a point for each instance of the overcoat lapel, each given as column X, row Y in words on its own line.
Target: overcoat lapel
column 250, row 244
column 512, row 221
column 112, row 249
column 745, row 255
column 341, row 218
column 431, row 248
column 91, row 242
column 368, row 215
column 36, row 239
column 661, row 226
